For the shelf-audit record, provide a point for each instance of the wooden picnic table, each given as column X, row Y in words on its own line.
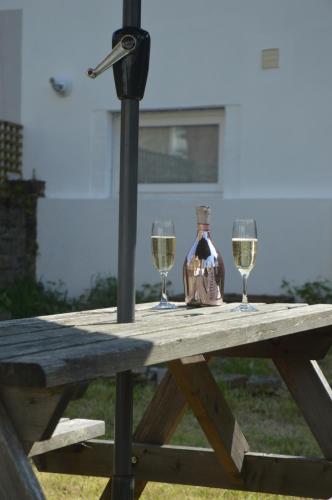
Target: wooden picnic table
column 46, row 362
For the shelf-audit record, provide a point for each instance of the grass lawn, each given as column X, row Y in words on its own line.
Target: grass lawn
column 270, row 422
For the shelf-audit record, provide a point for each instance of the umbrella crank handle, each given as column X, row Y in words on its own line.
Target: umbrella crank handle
column 125, row 46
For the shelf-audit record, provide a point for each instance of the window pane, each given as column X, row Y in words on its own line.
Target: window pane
column 178, row 154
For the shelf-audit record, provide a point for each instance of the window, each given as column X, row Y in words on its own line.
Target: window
column 179, row 150
column 178, row 154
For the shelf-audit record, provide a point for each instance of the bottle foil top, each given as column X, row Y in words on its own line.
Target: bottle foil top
column 203, row 215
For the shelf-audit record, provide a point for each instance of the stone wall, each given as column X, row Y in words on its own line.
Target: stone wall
column 18, row 229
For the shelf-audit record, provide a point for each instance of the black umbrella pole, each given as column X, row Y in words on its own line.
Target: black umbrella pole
column 127, row 210
column 123, row 479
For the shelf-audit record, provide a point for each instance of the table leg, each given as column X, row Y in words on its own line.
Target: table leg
column 161, row 418
column 212, row 412
column 159, row 421
column 17, row 478
column 229, row 465
column 313, row 395
column 35, row 412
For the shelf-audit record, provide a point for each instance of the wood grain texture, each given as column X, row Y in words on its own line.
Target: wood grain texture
column 17, row 478
column 159, row 421
column 297, row 345
column 25, row 331
column 109, row 347
column 161, row 418
column 33, row 330
column 35, row 412
column 213, row 414
column 68, row 432
column 287, row 475
column 163, row 414
column 265, row 473
column 313, row 395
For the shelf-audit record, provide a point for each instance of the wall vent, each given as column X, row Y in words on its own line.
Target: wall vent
column 270, row 58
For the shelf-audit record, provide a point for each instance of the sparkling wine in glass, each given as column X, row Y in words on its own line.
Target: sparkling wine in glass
column 244, row 243
column 163, row 243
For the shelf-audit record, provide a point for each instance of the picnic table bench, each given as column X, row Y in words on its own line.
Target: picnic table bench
column 46, row 362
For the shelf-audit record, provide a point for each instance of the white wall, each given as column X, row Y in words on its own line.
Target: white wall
column 203, row 54
column 85, row 242
column 10, row 64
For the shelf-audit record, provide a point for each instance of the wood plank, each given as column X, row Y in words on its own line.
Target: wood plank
column 213, row 414
column 59, row 339
column 35, row 412
column 161, row 418
column 68, row 432
column 17, row 478
column 36, row 342
column 287, row 475
column 163, row 414
column 77, row 318
column 95, row 316
column 151, row 321
column 313, row 395
column 68, row 317
column 298, row 345
column 159, row 421
column 104, row 314
column 150, row 343
column 35, row 329
column 209, row 311
column 17, row 327
column 50, row 339
column 278, row 474
column 23, row 326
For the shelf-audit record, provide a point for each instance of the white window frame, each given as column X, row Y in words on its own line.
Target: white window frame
column 178, row 117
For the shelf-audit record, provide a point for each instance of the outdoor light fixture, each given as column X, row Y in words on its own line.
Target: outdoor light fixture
column 62, row 86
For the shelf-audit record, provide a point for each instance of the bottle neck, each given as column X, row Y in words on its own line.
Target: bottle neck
column 203, row 228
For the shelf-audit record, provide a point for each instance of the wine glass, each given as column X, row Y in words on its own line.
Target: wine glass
column 244, row 243
column 163, row 243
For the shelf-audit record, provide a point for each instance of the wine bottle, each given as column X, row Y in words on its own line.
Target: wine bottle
column 203, row 269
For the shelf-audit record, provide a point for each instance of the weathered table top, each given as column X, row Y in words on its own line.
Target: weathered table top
column 69, row 348
column 44, row 360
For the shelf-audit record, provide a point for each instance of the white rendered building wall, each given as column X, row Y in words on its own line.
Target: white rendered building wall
column 204, row 54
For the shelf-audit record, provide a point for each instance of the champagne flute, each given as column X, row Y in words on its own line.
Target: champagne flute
column 244, row 243
column 163, row 244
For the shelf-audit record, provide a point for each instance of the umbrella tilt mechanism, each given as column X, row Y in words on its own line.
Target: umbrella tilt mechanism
column 130, row 61
column 126, row 45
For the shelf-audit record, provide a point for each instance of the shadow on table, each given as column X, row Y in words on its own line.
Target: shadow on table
column 69, row 348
